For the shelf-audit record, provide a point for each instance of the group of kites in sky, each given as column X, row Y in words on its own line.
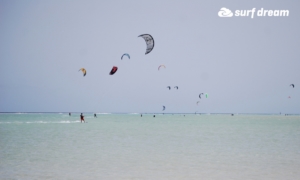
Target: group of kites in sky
column 150, row 45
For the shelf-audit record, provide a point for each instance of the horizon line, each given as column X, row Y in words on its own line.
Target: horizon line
column 150, row 113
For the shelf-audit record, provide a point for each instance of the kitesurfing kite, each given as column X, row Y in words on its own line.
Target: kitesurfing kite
column 176, row 87
column 125, row 55
column 149, row 41
column 113, row 70
column 200, row 95
column 292, row 85
column 164, row 107
column 169, row 87
column 83, row 71
column 197, row 102
column 161, row 66
column 206, row 95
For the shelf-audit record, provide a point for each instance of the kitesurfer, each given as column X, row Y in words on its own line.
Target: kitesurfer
column 82, row 118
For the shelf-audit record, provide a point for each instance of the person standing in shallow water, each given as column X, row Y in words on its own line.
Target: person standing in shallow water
column 82, row 118
column 95, row 115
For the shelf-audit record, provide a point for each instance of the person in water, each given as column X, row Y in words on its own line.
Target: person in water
column 69, row 114
column 95, row 115
column 82, row 118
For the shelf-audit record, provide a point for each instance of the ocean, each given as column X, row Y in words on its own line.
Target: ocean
column 169, row 146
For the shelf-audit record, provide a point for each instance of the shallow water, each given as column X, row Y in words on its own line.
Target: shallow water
column 127, row 146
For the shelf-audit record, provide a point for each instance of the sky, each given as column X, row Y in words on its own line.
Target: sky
column 244, row 64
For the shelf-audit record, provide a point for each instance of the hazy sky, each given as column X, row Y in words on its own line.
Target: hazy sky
column 246, row 65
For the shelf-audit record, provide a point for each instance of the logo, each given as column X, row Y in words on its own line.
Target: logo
column 224, row 12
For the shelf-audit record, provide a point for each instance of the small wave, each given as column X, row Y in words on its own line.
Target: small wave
column 41, row 122
column 14, row 122
column 68, row 121
column 55, row 122
column 103, row 113
column 28, row 122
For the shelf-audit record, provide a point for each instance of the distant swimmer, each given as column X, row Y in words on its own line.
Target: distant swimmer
column 153, row 115
column 141, row 115
column 82, row 118
column 69, row 114
column 95, row 115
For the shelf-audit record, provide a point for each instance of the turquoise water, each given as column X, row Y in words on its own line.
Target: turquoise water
column 128, row 146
